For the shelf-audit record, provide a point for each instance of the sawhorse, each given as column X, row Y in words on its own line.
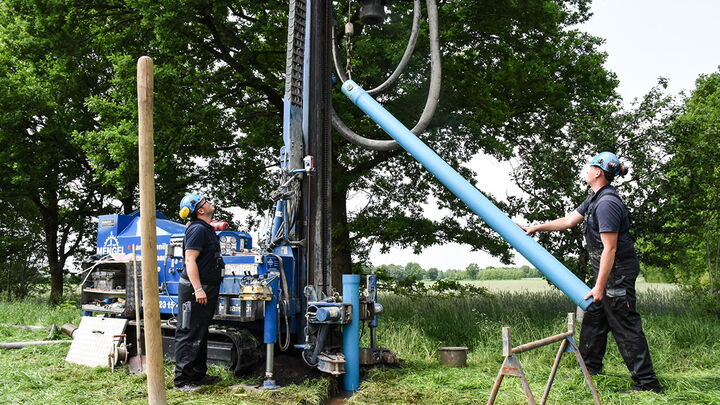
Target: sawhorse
column 511, row 364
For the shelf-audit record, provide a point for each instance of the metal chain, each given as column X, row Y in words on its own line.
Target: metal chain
column 348, row 57
column 349, row 43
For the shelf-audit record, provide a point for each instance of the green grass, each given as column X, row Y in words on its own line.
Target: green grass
column 685, row 345
column 40, row 375
column 539, row 284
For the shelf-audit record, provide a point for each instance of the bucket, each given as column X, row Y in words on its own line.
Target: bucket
column 453, row 356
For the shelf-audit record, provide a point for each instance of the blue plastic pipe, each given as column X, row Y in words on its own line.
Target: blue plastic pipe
column 548, row 265
column 351, row 333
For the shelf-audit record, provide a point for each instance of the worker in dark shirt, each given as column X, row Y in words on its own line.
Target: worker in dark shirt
column 197, row 293
column 616, row 267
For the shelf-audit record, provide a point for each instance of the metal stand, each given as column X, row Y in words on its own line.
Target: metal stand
column 511, row 364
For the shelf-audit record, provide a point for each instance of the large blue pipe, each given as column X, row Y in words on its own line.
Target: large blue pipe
column 558, row 274
column 351, row 333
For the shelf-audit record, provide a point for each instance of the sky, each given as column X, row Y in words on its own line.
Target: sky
column 644, row 40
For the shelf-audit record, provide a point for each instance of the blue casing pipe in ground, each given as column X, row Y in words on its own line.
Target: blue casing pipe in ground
column 548, row 265
column 351, row 333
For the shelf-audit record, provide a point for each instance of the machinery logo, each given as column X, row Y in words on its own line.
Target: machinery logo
column 111, row 246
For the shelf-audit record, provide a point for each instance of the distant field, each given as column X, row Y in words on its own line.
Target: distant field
column 539, row 285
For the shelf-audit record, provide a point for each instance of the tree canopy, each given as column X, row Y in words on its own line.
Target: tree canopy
column 686, row 238
column 520, row 81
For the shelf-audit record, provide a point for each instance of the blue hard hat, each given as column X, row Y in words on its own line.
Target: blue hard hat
column 189, row 203
column 609, row 163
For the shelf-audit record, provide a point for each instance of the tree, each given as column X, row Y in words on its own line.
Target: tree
column 549, row 172
column 542, row 74
column 472, row 270
column 432, row 274
column 46, row 74
column 687, row 237
column 514, row 72
column 241, row 73
column 414, row 270
column 22, row 267
column 394, row 271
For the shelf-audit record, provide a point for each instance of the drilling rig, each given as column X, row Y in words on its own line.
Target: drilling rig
column 283, row 294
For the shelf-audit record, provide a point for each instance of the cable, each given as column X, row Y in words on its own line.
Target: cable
column 286, row 303
column 91, row 268
column 430, row 103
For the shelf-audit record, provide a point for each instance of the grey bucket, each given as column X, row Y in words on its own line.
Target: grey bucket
column 453, row 356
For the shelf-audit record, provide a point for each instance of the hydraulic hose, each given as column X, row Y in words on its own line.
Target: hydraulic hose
column 430, row 103
column 408, row 52
column 286, row 303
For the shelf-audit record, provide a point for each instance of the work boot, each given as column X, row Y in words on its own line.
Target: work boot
column 639, row 388
column 189, row 388
column 592, row 371
column 207, row 380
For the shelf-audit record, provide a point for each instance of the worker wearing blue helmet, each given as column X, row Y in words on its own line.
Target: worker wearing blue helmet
column 198, row 292
column 616, row 267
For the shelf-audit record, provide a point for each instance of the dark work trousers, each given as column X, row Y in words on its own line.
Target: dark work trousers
column 617, row 312
column 191, row 336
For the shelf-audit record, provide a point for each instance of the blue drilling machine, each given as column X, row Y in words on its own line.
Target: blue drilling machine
column 283, row 292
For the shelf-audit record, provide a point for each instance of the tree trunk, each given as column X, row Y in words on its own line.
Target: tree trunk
column 127, row 204
column 341, row 253
column 51, row 223
column 583, row 259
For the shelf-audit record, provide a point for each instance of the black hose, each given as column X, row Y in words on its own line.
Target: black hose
column 286, row 304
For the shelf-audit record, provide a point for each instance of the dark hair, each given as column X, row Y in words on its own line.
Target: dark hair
column 609, row 176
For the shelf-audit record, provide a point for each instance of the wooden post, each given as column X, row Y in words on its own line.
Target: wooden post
column 148, row 237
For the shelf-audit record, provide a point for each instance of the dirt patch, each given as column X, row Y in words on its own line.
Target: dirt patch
column 289, row 369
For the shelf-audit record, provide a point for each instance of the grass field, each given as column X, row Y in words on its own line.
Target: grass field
column 538, row 284
column 684, row 342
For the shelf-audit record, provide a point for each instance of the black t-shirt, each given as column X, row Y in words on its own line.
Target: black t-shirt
column 199, row 235
column 605, row 212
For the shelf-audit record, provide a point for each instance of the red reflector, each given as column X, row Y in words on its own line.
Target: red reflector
column 220, row 225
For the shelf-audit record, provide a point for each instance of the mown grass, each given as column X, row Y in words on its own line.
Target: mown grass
column 685, row 344
column 40, row 375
